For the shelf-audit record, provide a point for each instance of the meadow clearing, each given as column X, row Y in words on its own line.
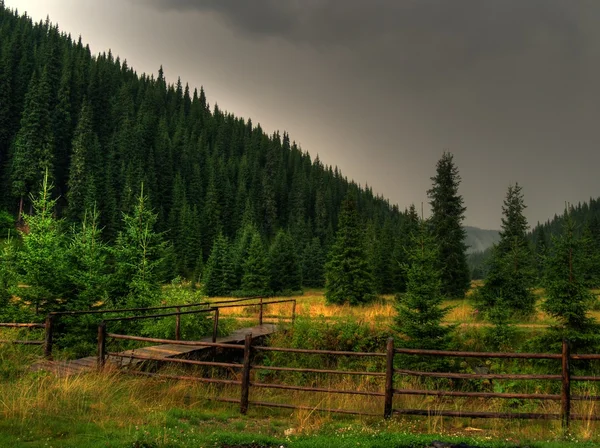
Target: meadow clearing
column 113, row 410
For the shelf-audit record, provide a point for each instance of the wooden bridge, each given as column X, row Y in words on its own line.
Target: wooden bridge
column 184, row 349
column 166, row 349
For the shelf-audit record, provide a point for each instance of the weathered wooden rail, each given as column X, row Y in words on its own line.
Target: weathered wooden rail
column 391, row 373
column 167, row 349
column 52, row 319
column 21, row 325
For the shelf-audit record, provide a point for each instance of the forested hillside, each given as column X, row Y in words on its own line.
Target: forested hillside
column 101, row 131
column 586, row 218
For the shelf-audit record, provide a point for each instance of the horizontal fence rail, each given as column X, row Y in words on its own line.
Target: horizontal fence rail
column 390, row 374
column 53, row 318
column 29, row 326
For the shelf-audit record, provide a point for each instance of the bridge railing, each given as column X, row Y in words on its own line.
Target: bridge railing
column 22, row 325
column 391, row 374
column 53, row 319
column 215, row 308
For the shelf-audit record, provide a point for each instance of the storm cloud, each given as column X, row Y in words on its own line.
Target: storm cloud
column 382, row 87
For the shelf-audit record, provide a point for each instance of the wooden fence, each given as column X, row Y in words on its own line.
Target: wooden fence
column 52, row 319
column 21, row 342
column 389, row 374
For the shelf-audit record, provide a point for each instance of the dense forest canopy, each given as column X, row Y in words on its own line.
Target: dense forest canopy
column 101, row 131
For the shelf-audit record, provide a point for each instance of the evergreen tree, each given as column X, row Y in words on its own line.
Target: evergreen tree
column 139, row 255
column 568, row 300
column 240, row 250
column 420, row 311
column 283, row 261
column 82, row 192
column 591, row 255
column 448, row 212
column 8, row 271
column 218, row 272
column 43, row 262
column 34, row 144
column 313, row 260
column 88, row 267
column 511, row 275
column 541, row 251
column 348, row 279
column 255, row 280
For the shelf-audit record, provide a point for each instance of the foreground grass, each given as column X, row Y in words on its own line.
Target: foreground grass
column 115, row 410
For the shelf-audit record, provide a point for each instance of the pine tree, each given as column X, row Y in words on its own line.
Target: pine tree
column 313, row 261
column 348, row 279
column 568, row 300
column 240, row 250
column 140, row 254
column 88, row 271
column 541, row 251
column 283, row 261
column 591, row 255
column 43, row 262
column 81, row 194
column 8, row 271
column 218, row 272
column 511, row 275
column 420, row 311
column 34, row 144
column 448, row 212
column 255, row 281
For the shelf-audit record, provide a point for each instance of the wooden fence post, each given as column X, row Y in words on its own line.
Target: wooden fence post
column 178, row 324
column 260, row 313
column 101, row 345
column 48, row 333
column 566, row 385
column 215, row 325
column 294, row 313
column 246, row 375
column 389, row 379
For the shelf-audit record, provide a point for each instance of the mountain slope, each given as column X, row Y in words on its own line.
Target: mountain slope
column 479, row 240
column 102, row 131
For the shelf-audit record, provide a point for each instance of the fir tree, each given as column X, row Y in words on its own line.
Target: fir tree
column 448, row 212
column 34, row 144
column 313, row 260
column 541, row 251
column 420, row 311
column 511, row 275
column 568, row 300
column 88, row 268
column 8, row 270
column 218, row 272
column 139, row 255
column 348, row 279
column 81, row 194
column 255, row 280
column 283, row 261
column 43, row 262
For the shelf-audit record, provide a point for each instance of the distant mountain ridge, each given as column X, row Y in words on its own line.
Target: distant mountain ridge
column 479, row 240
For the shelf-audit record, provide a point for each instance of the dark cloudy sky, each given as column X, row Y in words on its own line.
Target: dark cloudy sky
column 382, row 87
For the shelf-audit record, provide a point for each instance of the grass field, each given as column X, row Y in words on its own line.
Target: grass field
column 381, row 312
column 113, row 410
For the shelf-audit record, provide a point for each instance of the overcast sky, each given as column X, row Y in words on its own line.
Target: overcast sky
column 381, row 88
